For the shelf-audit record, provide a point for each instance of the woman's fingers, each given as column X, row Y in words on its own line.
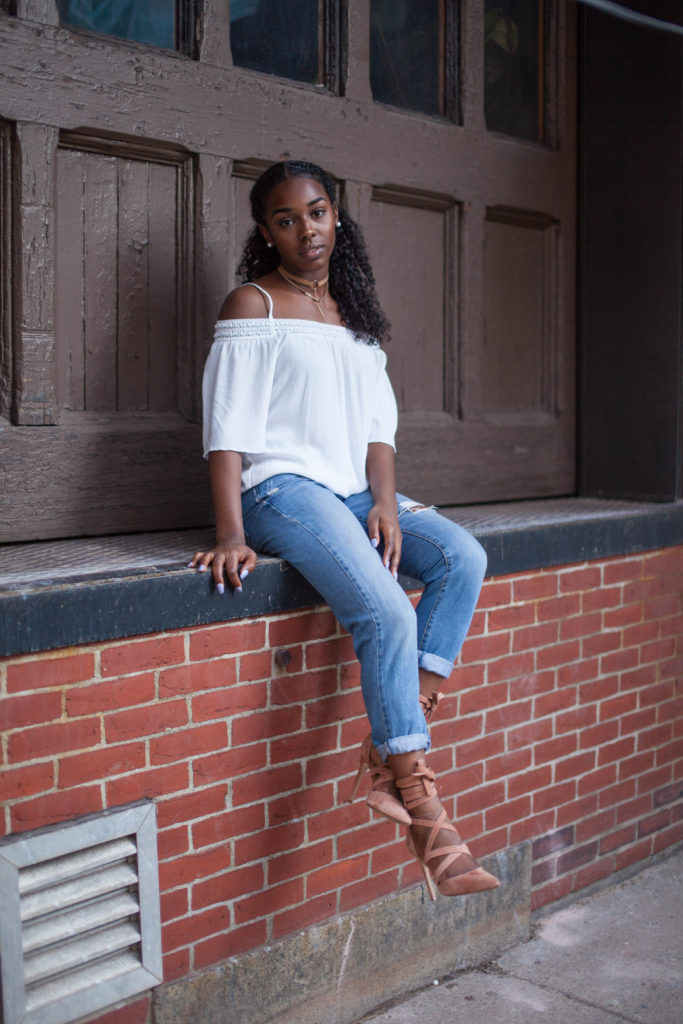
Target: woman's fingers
column 384, row 528
column 232, row 571
column 373, row 528
column 248, row 563
column 217, row 565
column 233, row 564
column 200, row 560
column 392, row 547
column 396, row 557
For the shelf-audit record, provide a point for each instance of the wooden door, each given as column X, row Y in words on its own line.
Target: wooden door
column 125, row 170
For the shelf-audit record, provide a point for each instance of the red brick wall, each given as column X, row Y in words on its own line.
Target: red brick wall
column 564, row 727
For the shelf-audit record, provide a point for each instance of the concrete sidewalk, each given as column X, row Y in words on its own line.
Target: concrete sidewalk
column 615, row 957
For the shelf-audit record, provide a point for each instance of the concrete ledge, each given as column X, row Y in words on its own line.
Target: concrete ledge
column 342, row 969
column 71, row 592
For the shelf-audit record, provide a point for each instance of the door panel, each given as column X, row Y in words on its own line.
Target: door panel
column 520, row 326
column 414, row 258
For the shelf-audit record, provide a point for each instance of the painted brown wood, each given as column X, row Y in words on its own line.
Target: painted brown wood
column 520, row 326
column 148, row 469
column 474, row 427
column 34, row 384
column 214, row 43
column 70, row 280
column 98, row 244
column 267, row 121
column 7, row 263
column 210, row 273
column 357, row 83
column 162, row 288
column 41, row 11
column 411, row 241
column 133, row 286
column 121, row 241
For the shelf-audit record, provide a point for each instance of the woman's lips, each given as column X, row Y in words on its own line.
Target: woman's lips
column 312, row 250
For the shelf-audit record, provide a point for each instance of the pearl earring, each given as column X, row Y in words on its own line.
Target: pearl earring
column 269, row 244
column 338, row 224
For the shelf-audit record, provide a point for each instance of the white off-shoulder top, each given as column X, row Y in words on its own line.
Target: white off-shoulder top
column 296, row 396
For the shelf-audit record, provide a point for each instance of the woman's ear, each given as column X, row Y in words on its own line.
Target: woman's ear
column 266, row 235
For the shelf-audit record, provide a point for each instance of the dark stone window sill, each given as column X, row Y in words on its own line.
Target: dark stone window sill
column 63, row 593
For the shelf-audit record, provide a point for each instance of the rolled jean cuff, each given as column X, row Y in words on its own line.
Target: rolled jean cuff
column 433, row 663
column 404, row 744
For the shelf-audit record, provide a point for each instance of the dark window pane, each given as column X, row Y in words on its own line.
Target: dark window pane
column 278, row 37
column 153, row 21
column 513, row 51
column 406, row 53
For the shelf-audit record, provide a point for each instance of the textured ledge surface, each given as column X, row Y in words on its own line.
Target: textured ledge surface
column 64, row 593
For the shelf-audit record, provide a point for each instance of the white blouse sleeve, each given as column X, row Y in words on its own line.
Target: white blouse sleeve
column 385, row 416
column 237, row 385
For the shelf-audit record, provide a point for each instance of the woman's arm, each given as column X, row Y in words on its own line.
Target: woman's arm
column 383, row 516
column 231, row 555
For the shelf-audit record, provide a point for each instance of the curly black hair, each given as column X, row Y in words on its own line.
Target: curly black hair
column 352, row 283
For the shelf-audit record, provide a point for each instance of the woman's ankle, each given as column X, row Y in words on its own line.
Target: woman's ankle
column 403, row 765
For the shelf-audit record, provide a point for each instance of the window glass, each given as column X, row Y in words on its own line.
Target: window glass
column 407, row 43
column 278, row 37
column 153, row 21
column 513, row 67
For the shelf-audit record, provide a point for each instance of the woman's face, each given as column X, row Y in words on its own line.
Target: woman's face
column 300, row 223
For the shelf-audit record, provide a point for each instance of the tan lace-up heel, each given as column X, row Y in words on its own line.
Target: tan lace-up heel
column 386, row 801
column 450, row 865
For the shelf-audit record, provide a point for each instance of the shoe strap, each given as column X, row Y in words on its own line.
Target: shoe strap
column 449, row 852
column 417, row 787
column 380, row 773
column 429, row 703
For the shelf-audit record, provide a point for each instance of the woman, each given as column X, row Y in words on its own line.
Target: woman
column 299, row 424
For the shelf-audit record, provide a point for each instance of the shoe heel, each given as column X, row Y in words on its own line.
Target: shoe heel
column 425, row 870
column 362, row 768
column 428, row 880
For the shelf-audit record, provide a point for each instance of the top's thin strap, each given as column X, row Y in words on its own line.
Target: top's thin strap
column 263, row 292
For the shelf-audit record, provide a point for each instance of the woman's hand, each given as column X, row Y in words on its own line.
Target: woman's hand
column 383, row 516
column 383, row 523
column 233, row 560
column 231, row 556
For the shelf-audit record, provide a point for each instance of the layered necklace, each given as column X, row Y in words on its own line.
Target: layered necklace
column 296, row 282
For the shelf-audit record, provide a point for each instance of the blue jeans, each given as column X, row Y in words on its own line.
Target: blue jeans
column 325, row 537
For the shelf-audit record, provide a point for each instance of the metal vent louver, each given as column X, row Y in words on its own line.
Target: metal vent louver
column 79, row 916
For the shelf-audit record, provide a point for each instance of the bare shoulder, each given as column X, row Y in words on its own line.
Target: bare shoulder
column 244, row 303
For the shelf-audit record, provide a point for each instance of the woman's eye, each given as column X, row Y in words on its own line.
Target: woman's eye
column 320, row 212
column 285, row 223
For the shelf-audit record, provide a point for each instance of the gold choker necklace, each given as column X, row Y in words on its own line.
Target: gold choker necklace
column 297, row 281
column 303, row 280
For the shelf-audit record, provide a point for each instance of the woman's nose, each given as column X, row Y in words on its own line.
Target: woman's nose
column 307, row 229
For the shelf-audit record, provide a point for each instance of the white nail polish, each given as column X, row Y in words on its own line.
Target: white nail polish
column 220, row 587
column 244, row 574
column 190, row 564
column 374, row 542
column 238, row 590
column 202, row 568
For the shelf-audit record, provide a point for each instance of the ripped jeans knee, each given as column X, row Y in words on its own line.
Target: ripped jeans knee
column 414, row 506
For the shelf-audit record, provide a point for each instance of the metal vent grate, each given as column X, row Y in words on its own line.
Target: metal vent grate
column 79, row 916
